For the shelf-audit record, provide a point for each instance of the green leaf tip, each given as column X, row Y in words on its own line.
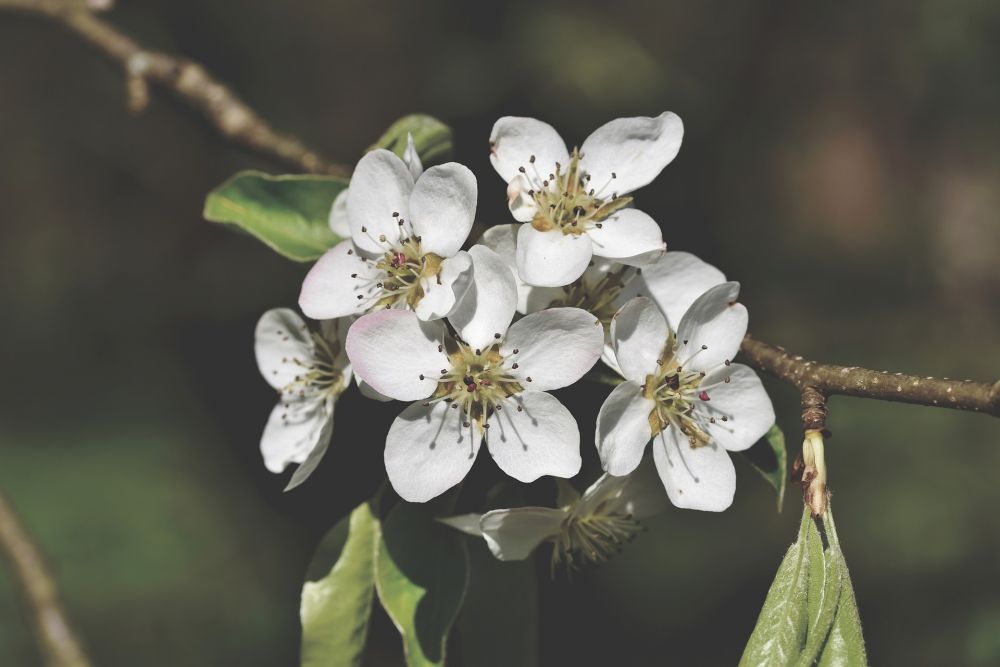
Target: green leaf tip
column 769, row 457
column 431, row 138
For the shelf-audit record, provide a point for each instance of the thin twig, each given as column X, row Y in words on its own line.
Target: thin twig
column 187, row 80
column 829, row 379
column 58, row 641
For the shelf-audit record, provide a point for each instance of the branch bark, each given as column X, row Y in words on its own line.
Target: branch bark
column 58, row 641
column 187, row 80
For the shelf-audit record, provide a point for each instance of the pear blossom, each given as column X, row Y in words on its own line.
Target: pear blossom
column 489, row 379
column 310, row 370
column 591, row 527
column 683, row 392
column 577, row 204
column 407, row 227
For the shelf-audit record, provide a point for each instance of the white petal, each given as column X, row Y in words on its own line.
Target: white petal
column 488, row 305
column 380, row 186
column 674, row 281
column 467, row 523
column 502, row 239
column 712, row 329
column 334, row 283
column 639, row 493
column 520, row 203
column 635, row 149
column 443, row 207
column 281, row 343
column 515, row 139
column 412, row 159
column 744, row 402
column 555, row 347
column 369, row 392
column 293, row 430
column 428, row 451
column 551, row 259
column 513, row 534
column 307, row 467
column 392, row 349
column 639, row 332
column 623, row 428
column 340, row 224
column 540, row 439
column 701, row 478
column 442, row 291
column 629, row 236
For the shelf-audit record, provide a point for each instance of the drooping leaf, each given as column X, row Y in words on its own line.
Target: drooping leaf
column 431, row 138
column 498, row 625
column 770, row 459
column 290, row 214
column 337, row 595
column 421, row 573
column 826, row 580
column 846, row 645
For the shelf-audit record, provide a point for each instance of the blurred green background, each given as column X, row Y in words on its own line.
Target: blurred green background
column 841, row 160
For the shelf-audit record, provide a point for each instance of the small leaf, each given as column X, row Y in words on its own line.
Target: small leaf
column 421, row 573
column 846, row 645
column 290, row 214
column 826, row 580
column 431, row 138
column 337, row 600
column 770, row 459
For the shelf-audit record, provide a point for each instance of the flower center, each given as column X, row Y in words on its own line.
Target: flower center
column 598, row 297
column 677, row 393
column 477, row 382
column 318, row 376
column 399, row 270
column 566, row 200
column 593, row 538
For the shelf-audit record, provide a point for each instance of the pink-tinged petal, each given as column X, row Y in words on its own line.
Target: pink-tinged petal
column 488, row 305
column 701, row 478
column 712, row 329
column 513, row 534
column 627, row 153
column 519, row 200
column 623, row 428
column 397, row 354
column 443, row 208
column 335, row 282
column 283, row 346
column 293, row 430
column 555, row 347
column 551, row 259
column 514, row 140
column 640, row 333
column 380, row 186
column 674, row 281
column 628, row 236
column 428, row 451
column 442, row 292
column 736, row 393
column 534, row 435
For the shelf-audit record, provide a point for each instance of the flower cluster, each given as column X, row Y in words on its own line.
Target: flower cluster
column 475, row 339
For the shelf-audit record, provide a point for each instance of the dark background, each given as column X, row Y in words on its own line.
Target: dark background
column 840, row 160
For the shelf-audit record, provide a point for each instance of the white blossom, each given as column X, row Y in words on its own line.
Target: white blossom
column 309, row 370
column 489, row 380
column 683, row 392
column 577, row 204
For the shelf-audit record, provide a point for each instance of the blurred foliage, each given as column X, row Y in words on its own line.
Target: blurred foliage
column 840, row 160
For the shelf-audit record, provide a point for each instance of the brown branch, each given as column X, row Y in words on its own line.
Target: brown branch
column 187, row 80
column 829, row 379
column 58, row 641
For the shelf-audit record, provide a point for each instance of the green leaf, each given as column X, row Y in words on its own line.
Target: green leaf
column 499, row 620
column 431, row 138
column 421, row 573
column 826, row 580
column 290, row 214
column 337, row 604
column 846, row 645
column 770, row 459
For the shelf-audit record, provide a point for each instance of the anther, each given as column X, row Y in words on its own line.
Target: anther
column 514, row 365
column 727, row 362
column 703, row 395
column 497, row 336
column 704, row 347
column 364, row 230
column 531, row 159
column 522, row 170
column 395, row 214
column 528, row 378
column 421, row 376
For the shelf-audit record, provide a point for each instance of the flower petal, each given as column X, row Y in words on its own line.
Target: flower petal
column 712, row 329
column 428, row 451
column 502, row 239
column 380, row 186
column 340, row 224
column 513, row 534
column 442, row 291
column 534, row 435
column 639, row 332
column 639, row 493
column 520, row 203
column 488, row 305
column 467, row 523
column 397, row 354
column 551, row 259
column 674, row 281
column 623, row 429
column 736, row 392
column 555, row 347
column 629, row 236
column 307, row 467
column 443, row 207
column 282, row 343
column 515, row 139
column 334, row 283
column 293, row 430
column 701, row 478
column 411, row 158
column 635, row 150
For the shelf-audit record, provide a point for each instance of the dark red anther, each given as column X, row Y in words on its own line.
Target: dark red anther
column 398, row 260
column 703, row 395
column 470, row 387
column 484, row 383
